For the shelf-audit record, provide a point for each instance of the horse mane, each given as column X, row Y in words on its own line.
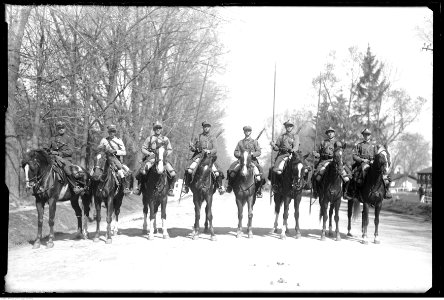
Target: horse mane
column 42, row 156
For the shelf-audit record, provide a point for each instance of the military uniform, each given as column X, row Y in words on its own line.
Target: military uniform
column 252, row 145
column 150, row 144
column 115, row 146
column 61, row 147
column 286, row 143
column 203, row 142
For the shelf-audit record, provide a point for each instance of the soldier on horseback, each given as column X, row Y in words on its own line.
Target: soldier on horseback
column 203, row 143
column 248, row 144
column 363, row 155
column 325, row 155
column 60, row 147
column 116, row 150
column 148, row 148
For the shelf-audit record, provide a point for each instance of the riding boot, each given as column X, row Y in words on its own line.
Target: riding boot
column 315, row 189
column 185, row 188
column 229, row 188
column 307, row 185
column 138, row 189
column 388, row 195
column 171, row 182
column 125, row 187
column 259, row 189
column 347, row 193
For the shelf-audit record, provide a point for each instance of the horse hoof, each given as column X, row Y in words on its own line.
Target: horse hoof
column 283, row 237
column 96, row 239
column 323, row 238
column 36, row 246
column 195, row 237
column 349, row 234
column 213, row 238
column 298, row 236
column 364, row 242
column 156, row 230
column 338, row 239
column 275, row 230
column 150, row 237
column 85, row 236
column 377, row 241
column 238, row 235
column 166, row 236
column 250, row 235
column 49, row 245
column 109, row 241
column 287, row 232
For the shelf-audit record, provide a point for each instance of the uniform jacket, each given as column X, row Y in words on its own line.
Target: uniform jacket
column 115, row 143
column 364, row 150
column 62, row 144
column 151, row 143
column 287, row 141
column 326, row 148
column 206, row 142
column 248, row 144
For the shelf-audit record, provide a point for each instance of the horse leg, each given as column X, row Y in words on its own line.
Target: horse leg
column 117, row 205
column 250, row 216
column 40, row 205
column 240, row 209
column 152, row 219
column 277, row 208
column 145, row 213
column 324, row 217
column 284, row 229
column 364, row 223
column 349, row 216
column 75, row 205
column 163, row 217
column 206, row 230
column 337, row 206
column 52, row 210
column 378, row 207
column 297, row 202
column 86, row 201
column 197, row 204
column 109, row 218
column 98, row 204
column 330, row 214
column 209, row 216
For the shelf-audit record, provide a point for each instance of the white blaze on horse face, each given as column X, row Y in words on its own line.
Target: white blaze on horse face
column 27, row 176
column 244, row 167
column 299, row 169
column 160, row 163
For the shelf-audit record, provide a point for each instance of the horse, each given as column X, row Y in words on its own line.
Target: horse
column 155, row 193
column 330, row 191
column 372, row 191
column 105, row 188
column 244, row 188
column 42, row 173
column 203, row 186
column 293, row 181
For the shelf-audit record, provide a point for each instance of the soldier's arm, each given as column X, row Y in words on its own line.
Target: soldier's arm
column 169, row 146
column 257, row 149
column 66, row 150
column 237, row 150
column 278, row 143
column 102, row 144
column 356, row 156
column 295, row 143
column 146, row 147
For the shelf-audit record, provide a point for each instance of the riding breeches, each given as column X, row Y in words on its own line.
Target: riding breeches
column 257, row 169
column 280, row 162
column 149, row 162
column 196, row 161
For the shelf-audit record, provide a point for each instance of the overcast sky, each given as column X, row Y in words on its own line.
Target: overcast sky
column 298, row 40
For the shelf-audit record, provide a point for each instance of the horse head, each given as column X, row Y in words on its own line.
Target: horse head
column 381, row 162
column 34, row 163
column 99, row 165
column 245, row 161
column 337, row 156
column 297, row 169
column 160, row 156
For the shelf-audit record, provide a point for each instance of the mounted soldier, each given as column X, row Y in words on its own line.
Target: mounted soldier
column 203, row 143
column 251, row 145
column 60, row 147
column 363, row 155
column 149, row 146
column 325, row 155
column 115, row 147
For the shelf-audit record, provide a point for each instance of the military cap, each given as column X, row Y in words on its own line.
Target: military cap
column 288, row 123
column 366, row 131
column 157, row 124
column 247, row 128
column 205, row 123
column 60, row 124
column 112, row 128
column 329, row 129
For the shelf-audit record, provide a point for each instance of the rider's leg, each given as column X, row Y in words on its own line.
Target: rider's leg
column 72, row 181
column 171, row 179
column 219, row 177
column 258, row 173
column 387, row 180
column 231, row 172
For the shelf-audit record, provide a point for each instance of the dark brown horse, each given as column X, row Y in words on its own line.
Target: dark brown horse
column 330, row 191
column 50, row 186
column 244, row 188
column 294, row 177
column 203, row 186
column 372, row 191
column 155, row 193
column 105, row 188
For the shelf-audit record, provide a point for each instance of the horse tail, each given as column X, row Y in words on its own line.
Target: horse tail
column 356, row 209
column 321, row 211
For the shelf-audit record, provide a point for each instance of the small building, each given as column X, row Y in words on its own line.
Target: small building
column 425, row 178
column 404, row 182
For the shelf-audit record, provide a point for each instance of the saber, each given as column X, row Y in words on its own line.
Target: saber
column 316, row 136
column 272, row 131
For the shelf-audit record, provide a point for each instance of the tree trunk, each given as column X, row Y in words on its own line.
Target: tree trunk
column 12, row 146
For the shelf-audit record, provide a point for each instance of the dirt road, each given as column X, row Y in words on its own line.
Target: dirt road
column 132, row 263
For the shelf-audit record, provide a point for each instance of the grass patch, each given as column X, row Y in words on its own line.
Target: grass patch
column 408, row 203
column 22, row 228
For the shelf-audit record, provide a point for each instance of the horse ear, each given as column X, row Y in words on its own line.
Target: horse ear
column 344, row 145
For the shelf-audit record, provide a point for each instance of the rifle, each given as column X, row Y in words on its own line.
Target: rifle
column 316, row 136
column 260, row 133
